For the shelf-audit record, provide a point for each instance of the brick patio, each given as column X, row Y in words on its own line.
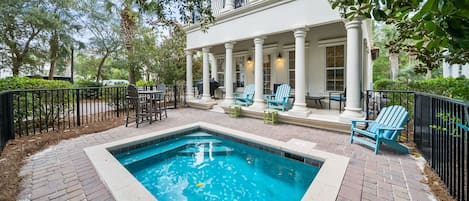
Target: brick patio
column 63, row 172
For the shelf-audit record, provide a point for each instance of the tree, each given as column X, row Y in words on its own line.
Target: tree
column 158, row 13
column 21, row 21
column 59, row 32
column 104, row 29
column 433, row 29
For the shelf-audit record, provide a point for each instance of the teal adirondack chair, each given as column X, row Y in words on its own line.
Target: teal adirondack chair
column 247, row 97
column 385, row 129
column 279, row 100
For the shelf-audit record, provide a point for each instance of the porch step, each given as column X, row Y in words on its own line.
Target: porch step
column 313, row 122
column 201, row 105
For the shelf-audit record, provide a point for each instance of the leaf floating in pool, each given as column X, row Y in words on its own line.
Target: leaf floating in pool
column 200, row 184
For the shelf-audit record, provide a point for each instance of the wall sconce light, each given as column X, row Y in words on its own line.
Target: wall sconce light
column 279, row 56
column 249, row 59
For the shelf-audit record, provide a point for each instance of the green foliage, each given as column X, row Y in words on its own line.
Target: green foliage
column 82, row 83
column 381, row 68
column 18, row 83
column 142, row 83
column 431, row 29
column 456, row 88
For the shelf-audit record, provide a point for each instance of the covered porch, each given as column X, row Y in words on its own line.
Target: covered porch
column 315, row 61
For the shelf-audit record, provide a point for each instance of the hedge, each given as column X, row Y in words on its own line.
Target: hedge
column 16, row 83
column 457, row 88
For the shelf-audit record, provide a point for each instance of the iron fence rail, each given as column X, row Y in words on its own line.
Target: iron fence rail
column 433, row 128
column 443, row 144
column 31, row 112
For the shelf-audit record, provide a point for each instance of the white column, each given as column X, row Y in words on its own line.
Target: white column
column 353, row 108
column 213, row 65
column 229, row 73
column 205, row 76
column 299, row 107
column 229, row 5
column 258, row 75
column 189, row 88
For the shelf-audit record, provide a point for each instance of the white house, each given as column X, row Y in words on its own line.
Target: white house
column 304, row 43
column 455, row 70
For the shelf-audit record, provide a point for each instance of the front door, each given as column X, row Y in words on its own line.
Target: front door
column 267, row 74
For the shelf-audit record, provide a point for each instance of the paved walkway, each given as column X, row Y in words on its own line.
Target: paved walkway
column 63, row 172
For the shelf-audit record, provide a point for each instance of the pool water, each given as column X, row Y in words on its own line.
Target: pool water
column 200, row 166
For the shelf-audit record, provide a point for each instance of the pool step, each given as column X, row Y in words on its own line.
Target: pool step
column 126, row 159
column 216, row 150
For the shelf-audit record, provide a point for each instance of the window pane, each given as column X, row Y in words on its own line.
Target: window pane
column 330, row 52
column 339, row 51
column 339, row 62
column 330, row 62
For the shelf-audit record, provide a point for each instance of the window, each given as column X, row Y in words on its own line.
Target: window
column 267, row 69
column 221, row 71
column 291, row 68
column 335, row 68
column 239, row 70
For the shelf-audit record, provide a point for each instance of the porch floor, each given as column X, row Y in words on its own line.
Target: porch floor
column 63, row 172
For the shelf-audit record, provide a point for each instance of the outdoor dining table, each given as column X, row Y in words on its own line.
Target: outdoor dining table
column 150, row 95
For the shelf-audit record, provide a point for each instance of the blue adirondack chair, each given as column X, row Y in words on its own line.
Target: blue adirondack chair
column 247, row 97
column 385, row 129
column 279, row 100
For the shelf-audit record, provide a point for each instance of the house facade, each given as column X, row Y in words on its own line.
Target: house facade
column 303, row 43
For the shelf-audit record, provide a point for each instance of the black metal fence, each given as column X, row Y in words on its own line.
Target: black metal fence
column 378, row 99
column 443, row 144
column 433, row 128
column 31, row 112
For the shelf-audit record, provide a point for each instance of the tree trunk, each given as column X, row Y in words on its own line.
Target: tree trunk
column 16, row 63
column 429, row 74
column 100, row 67
column 394, row 59
column 54, row 48
column 128, row 26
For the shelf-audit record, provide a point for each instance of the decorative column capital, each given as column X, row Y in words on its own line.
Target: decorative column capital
column 355, row 23
column 300, row 33
column 188, row 52
column 229, row 45
column 259, row 40
column 206, row 49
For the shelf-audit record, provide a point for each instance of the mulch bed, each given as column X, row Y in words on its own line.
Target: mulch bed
column 16, row 151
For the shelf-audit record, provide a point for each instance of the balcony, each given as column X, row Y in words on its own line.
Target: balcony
column 221, row 6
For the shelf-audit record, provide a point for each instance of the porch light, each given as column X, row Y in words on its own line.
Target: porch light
column 249, row 59
column 279, row 56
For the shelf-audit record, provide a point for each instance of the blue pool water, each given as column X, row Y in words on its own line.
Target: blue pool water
column 200, row 166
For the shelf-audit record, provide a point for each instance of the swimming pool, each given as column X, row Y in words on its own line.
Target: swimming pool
column 202, row 161
column 202, row 166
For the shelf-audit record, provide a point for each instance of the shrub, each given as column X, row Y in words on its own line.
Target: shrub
column 143, row 83
column 86, row 83
column 15, row 83
column 457, row 88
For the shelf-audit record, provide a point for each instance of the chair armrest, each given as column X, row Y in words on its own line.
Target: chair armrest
column 354, row 122
column 390, row 128
column 462, row 126
column 268, row 97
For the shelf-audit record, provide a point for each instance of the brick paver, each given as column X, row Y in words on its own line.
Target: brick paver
column 63, row 172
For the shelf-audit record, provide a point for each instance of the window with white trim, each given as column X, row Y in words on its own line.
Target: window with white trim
column 291, row 68
column 240, row 70
column 221, row 71
column 335, row 68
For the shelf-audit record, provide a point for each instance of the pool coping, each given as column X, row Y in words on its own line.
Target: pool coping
column 124, row 186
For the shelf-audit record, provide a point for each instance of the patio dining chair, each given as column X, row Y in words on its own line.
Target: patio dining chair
column 160, row 101
column 386, row 129
column 279, row 100
column 142, row 107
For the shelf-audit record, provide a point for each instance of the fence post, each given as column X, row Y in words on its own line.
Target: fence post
column 367, row 106
column 7, row 130
column 117, row 101
column 175, row 91
column 77, row 94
